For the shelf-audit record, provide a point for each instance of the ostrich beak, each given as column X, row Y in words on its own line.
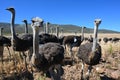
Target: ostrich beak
column 7, row 9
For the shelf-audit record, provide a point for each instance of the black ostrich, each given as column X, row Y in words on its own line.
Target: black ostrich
column 45, row 38
column 99, row 39
column 110, row 39
column 85, row 38
column 48, row 56
column 19, row 44
column 26, row 26
column 90, row 53
column 115, row 39
column 27, row 36
column 73, row 41
column 105, row 39
column 4, row 42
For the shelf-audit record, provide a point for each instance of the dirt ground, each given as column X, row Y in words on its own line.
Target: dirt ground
column 108, row 69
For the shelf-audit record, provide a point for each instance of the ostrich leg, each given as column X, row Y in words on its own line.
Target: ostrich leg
column 59, row 69
column 54, row 75
column 25, row 60
column 9, row 53
column 88, row 73
column 1, row 53
column 72, row 55
column 82, row 70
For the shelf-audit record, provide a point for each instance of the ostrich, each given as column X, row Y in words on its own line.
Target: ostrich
column 105, row 39
column 73, row 41
column 115, row 39
column 99, row 40
column 19, row 44
column 60, row 39
column 26, row 26
column 26, row 36
column 45, row 38
column 48, row 56
column 90, row 53
column 90, row 39
column 4, row 41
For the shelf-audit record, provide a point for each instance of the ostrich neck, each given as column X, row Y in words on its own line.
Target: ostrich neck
column 12, row 25
column 26, row 28
column 82, row 37
column 35, row 41
column 1, row 32
column 95, row 38
column 47, row 28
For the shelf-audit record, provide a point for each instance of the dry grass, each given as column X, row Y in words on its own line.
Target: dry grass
column 100, row 35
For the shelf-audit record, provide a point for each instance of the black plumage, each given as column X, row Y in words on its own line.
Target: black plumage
column 105, row 39
column 4, row 41
column 45, row 38
column 21, row 44
column 72, row 40
column 85, row 53
column 115, row 39
column 49, row 54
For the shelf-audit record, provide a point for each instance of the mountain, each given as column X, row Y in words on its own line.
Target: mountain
column 68, row 28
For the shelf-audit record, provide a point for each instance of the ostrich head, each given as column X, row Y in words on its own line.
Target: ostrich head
column 97, row 22
column 1, row 28
column 11, row 9
column 84, row 27
column 24, row 21
column 48, row 23
column 37, row 22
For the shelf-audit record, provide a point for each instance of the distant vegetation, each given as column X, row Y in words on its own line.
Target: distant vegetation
column 66, row 28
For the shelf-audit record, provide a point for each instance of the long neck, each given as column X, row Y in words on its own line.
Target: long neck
column 26, row 27
column 12, row 25
column 47, row 28
column 35, row 41
column 95, row 38
column 1, row 32
column 82, row 31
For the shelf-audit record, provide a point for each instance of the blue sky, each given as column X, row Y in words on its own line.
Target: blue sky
column 76, row 12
